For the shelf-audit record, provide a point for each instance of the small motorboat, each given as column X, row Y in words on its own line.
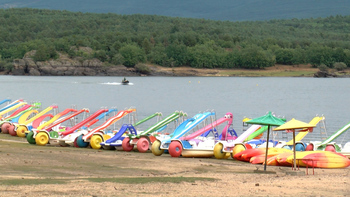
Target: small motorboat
column 125, row 81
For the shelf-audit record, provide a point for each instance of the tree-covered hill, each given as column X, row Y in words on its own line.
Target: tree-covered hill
column 232, row 10
column 167, row 41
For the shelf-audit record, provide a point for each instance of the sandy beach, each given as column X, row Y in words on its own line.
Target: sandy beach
column 31, row 170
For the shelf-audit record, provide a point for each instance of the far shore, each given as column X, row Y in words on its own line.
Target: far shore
column 155, row 70
column 275, row 71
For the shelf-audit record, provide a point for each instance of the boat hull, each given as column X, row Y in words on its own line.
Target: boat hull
column 197, row 153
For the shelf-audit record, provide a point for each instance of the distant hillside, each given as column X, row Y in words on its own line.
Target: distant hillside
column 231, row 10
column 132, row 40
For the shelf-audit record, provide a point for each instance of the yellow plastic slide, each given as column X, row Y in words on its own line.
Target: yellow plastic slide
column 301, row 135
column 12, row 108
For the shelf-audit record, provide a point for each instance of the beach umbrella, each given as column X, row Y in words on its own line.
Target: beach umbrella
column 292, row 126
column 268, row 120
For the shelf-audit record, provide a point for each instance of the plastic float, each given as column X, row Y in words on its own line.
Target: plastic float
column 68, row 138
column 245, row 155
column 279, row 159
column 51, row 129
column 144, row 139
column 284, row 157
column 116, row 140
column 195, row 146
column 257, row 155
column 273, row 152
column 162, row 143
column 320, row 159
column 42, row 138
column 98, row 134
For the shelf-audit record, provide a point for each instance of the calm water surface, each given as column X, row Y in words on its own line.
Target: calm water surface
column 300, row 98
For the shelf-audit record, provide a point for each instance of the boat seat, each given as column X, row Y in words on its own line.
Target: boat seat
column 194, row 142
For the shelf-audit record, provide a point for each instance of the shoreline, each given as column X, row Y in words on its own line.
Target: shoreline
column 155, row 70
column 275, row 71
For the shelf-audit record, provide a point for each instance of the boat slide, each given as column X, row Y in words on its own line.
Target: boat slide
column 146, row 140
column 48, row 129
column 11, row 108
column 301, row 135
column 98, row 118
column 257, row 133
column 77, row 131
column 5, row 101
column 37, row 122
column 163, row 143
column 336, row 134
column 84, row 122
column 328, row 144
column 21, row 128
column 15, row 114
column 299, row 145
column 10, row 105
column 25, row 107
column 75, row 138
column 97, row 135
column 109, row 122
column 226, row 118
column 223, row 147
column 53, row 119
column 63, row 119
column 8, row 121
column 195, row 146
column 43, row 138
column 159, row 125
column 116, row 140
column 22, row 119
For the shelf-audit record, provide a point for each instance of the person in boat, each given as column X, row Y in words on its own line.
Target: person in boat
column 125, row 81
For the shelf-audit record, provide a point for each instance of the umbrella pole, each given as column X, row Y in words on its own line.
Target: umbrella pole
column 294, row 150
column 267, row 146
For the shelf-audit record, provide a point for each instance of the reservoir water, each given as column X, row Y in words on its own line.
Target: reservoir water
column 299, row 98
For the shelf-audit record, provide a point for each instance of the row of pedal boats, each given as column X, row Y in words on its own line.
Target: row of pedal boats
column 202, row 135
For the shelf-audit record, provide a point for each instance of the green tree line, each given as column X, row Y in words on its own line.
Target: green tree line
column 171, row 42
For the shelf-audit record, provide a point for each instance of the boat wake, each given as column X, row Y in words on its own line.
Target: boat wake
column 115, row 83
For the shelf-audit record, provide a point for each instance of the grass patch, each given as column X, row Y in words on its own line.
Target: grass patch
column 205, row 169
column 14, row 138
column 142, row 180
column 32, row 181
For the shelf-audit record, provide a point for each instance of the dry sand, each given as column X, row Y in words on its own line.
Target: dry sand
column 30, row 170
